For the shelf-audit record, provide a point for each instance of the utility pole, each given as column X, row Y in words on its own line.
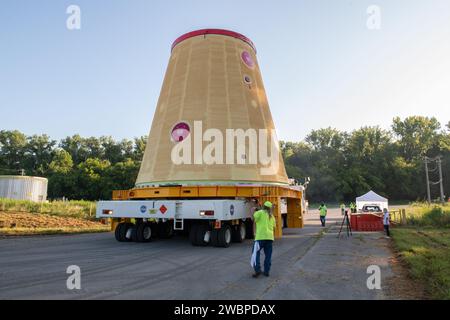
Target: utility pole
column 441, row 185
column 428, row 180
column 438, row 167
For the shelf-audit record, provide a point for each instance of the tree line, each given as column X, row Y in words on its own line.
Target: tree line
column 344, row 165
column 341, row 165
column 77, row 167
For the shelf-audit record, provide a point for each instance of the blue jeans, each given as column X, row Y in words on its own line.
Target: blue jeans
column 322, row 220
column 267, row 246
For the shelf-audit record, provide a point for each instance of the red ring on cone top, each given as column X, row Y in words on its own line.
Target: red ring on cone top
column 214, row 31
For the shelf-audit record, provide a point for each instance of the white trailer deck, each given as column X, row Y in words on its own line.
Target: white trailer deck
column 215, row 221
column 218, row 209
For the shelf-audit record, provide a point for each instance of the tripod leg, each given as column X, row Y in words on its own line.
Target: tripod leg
column 350, row 227
column 340, row 230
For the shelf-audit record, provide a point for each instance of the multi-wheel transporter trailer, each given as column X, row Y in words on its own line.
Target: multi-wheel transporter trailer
column 216, row 215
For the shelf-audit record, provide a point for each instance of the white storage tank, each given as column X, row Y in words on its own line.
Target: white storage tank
column 23, row 188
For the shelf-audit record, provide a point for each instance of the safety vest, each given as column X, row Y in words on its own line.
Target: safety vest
column 323, row 211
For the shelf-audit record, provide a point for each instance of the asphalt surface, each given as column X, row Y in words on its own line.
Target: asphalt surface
column 308, row 263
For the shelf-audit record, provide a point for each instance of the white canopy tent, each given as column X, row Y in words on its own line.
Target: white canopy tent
column 371, row 198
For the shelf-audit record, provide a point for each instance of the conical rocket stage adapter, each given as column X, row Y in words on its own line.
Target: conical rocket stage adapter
column 212, row 124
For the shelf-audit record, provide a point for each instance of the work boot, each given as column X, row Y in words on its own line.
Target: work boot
column 256, row 274
column 266, row 274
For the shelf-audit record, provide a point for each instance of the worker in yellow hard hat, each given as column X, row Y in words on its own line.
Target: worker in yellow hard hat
column 265, row 227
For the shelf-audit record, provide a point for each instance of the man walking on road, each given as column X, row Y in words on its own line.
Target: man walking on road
column 265, row 226
column 323, row 213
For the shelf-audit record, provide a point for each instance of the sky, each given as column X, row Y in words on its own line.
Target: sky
column 321, row 65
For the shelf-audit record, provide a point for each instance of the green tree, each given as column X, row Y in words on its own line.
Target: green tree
column 122, row 175
column 417, row 135
column 39, row 153
column 139, row 148
column 12, row 150
column 92, row 178
column 116, row 151
column 62, row 162
column 328, row 159
column 93, row 148
column 367, row 158
column 327, row 139
column 76, row 147
column 62, row 179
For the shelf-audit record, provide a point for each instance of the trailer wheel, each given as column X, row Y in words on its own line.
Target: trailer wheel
column 249, row 229
column 118, row 232
column 165, row 230
column 201, row 231
column 124, row 234
column 144, row 232
column 132, row 233
column 214, row 237
column 193, row 234
column 239, row 233
column 224, row 238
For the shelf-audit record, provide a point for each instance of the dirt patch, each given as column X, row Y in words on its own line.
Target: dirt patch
column 20, row 220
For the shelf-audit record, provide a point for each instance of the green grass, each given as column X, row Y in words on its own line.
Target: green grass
column 422, row 214
column 424, row 244
column 74, row 209
column 426, row 250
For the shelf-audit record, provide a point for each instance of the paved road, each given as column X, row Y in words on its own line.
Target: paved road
column 311, row 263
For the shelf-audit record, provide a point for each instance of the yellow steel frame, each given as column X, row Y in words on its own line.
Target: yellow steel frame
column 259, row 193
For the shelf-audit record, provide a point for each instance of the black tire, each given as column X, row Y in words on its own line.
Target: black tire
column 155, row 229
column 165, row 230
column 201, row 231
column 249, row 229
column 239, row 233
column 224, row 238
column 214, row 237
column 193, row 234
column 118, row 232
column 134, row 233
column 124, row 230
column 144, row 232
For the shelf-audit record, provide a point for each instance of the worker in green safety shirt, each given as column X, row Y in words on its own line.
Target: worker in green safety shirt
column 342, row 208
column 352, row 207
column 265, row 227
column 323, row 213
